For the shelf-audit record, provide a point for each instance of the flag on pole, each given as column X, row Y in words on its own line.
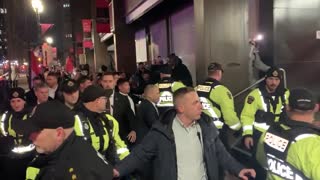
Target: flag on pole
column 35, row 56
column 45, row 28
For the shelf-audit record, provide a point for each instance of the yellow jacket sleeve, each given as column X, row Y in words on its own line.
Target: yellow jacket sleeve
column 122, row 149
column 251, row 105
column 304, row 154
column 78, row 126
column 223, row 97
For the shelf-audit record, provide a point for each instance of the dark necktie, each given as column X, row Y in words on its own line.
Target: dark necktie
column 108, row 106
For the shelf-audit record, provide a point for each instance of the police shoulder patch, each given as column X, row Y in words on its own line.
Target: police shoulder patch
column 250, row 99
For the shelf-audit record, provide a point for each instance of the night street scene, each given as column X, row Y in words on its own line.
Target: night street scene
column 159, row 89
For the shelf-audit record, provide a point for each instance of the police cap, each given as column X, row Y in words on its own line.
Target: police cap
column 274, row 72
column 70, row 86
column 215, row 66
column 17, row 93
column 48, row 115
column 301, row 99
column 92, row 93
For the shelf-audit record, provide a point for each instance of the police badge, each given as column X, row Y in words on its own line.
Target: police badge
column 70, row 83
column 250, row 99
column 15, row 94
column 275, row 73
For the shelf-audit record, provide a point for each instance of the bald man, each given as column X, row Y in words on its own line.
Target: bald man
column 147, row 111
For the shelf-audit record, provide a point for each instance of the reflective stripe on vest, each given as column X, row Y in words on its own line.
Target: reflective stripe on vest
column 207, row 107
column 166, row 99
column 95, row 140
column 236, row 126
column 219, row 124
column 203, row 91
column 283, row 169
column 3, row 118
column 19, row 149
column 12, row 132
column 264, row 105
column 303, row 136
column 166, row 94
column 23, row 149
column 247, row 128
column 122, row 150
column 261, row 126
column 81, row 130
column 276, row 146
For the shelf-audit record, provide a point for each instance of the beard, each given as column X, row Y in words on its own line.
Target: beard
column 272, row 87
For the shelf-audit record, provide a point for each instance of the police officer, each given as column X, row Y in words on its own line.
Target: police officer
column 264, row 104
column 70, row 93
column 18, row 150
column 98, row 127
column 61, row 154
column 167, row 86
column 291, row 148
column 217, row 101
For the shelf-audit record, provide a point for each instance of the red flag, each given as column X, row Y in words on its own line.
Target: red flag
column 69, row 65
column 45, row 28
column 79, row 37
column 86, row 25
column 35, row 63
column 54, row 52
column 87, row 44
column 102, row 3
column 103, row 27
column 79, row 50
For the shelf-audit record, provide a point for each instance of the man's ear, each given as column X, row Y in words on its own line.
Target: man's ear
column 180, row 108
column 288, row 108
column 316, row 108
column 60, row 133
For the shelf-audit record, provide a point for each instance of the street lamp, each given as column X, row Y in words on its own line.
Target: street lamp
column 49, row 40
column 38, row 8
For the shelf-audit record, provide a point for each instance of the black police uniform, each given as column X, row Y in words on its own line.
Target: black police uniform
column 75, row 159
column 16, row 151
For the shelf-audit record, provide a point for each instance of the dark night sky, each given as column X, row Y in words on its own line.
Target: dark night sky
column 49, row 12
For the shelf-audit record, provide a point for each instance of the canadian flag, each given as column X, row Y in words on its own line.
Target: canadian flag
column 35, row 54
column 69, row 65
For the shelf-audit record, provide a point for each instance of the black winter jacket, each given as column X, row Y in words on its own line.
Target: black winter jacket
column 159, row 146
column 75, row 157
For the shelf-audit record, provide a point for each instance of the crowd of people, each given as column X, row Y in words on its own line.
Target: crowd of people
column 155, row 125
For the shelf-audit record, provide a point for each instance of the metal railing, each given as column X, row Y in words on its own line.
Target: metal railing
column 284, row 75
